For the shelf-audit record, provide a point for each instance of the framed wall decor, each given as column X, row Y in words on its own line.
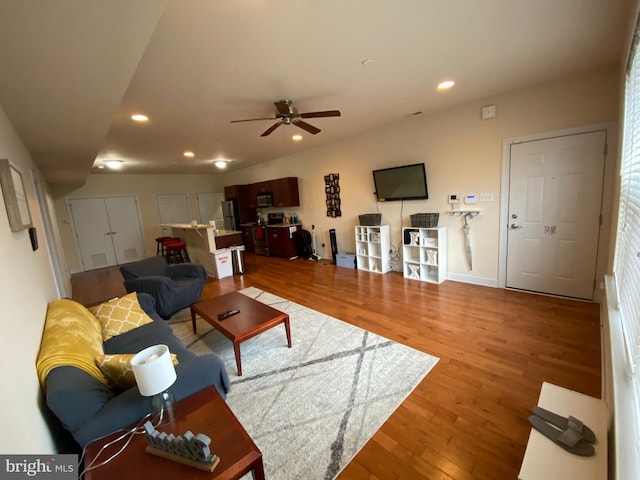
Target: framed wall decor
column 332, row 191
column 15, row 198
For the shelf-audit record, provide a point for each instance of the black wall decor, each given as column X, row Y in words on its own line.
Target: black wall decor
column 332, row 189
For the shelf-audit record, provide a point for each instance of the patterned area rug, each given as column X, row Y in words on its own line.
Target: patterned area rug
column 312, row 407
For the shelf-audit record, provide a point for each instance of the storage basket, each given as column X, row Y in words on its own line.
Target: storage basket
column 424, row 220
column 370, row 219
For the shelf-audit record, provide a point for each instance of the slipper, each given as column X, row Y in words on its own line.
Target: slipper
column 569, row 439
column 564, row 423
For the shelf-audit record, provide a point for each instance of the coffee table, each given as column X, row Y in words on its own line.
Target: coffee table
column 253, row 319
column 204, row 412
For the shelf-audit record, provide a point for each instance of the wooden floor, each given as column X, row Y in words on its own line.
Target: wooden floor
column 468, row 417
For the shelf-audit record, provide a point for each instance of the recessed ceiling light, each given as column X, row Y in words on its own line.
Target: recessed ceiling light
column 446, row 84
column 139, row 117
column 114, row 164
column 189, row 154
column 366, row 61
column 297, row 137
column 221, row 163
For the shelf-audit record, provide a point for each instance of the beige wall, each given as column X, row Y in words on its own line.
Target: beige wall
column 26, row 287
column 146, row 188
column 462, row 153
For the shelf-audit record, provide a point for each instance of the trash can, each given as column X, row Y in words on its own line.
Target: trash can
column 237, row 258
column 222, row 261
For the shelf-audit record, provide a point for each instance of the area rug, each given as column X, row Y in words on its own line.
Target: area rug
column 312, row 407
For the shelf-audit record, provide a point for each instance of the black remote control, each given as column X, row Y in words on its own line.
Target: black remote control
column 227, row 314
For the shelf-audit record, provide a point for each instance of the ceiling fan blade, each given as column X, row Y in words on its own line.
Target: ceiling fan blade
column 271, row 129
column 328, row 113
column 284, row 107
column 305, row 126
column 253, row 119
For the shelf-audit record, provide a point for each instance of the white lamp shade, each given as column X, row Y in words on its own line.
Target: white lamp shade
column 153, row 369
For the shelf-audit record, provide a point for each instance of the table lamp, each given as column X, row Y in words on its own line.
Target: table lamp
column 155, row 373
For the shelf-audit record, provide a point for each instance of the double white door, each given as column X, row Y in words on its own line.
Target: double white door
column 555, row 196
column 108, row 230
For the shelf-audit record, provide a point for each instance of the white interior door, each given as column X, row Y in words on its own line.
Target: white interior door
column 209, row 207
column 172, row 208
column 93, row 233
column 126, row 228
column 108, row 230
column 555, row 196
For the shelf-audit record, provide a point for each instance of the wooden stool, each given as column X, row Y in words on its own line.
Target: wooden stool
column 177, row 252
column 160, row 245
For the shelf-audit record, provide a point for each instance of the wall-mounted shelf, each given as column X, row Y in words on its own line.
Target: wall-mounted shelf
column 473, row 213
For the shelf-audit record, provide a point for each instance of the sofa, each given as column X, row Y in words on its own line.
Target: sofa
column 174, row 287
column 83, row 364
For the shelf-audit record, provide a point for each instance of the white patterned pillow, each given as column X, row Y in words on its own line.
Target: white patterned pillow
column 117, row 369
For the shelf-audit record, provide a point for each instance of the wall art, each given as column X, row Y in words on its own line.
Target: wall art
column 15, row 198
column 332, row 190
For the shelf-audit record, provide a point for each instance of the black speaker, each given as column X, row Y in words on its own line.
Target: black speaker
column 334, row 244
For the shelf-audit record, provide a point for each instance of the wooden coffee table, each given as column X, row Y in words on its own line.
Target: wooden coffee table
column 204, row 412
column 253, row 319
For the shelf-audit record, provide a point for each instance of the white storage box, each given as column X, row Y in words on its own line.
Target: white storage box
column 347, row 260
column 223, row 263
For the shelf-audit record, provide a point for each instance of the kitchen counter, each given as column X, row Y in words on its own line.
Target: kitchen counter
column 203, row 241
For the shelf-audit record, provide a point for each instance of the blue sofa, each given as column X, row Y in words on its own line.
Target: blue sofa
column 88, row 409
column 174, row 287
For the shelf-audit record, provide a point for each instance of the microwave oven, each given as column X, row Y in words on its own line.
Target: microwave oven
column 265, row 200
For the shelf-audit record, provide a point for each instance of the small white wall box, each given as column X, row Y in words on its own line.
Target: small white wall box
column 455, row 198
column 470, row 199
column 347, row 260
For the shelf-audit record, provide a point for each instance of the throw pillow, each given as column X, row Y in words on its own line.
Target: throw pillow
column 117, row 369
column 120, row 315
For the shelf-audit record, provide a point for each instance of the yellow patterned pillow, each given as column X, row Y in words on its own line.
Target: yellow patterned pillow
column 120, row 315
column 117, row 369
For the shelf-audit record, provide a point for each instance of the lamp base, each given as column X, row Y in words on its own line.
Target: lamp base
column 163, row 408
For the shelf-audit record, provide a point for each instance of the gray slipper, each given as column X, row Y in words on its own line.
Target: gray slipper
column 568, row 439
column 564, row 423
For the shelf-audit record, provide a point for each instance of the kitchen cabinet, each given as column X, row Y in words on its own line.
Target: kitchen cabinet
column 280, row 241
column 247, row 237
column 241, row 195
column 285, row 192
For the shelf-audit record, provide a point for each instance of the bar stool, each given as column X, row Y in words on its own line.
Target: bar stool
column 160, row 245
column 177, row 252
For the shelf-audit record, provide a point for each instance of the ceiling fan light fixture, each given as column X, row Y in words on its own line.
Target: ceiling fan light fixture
column 297, row 137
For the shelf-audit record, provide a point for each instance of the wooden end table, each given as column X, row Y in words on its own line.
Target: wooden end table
column 204, row 412
column 253, row 319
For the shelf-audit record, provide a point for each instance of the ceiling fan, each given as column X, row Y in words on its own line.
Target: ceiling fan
column 288, row 115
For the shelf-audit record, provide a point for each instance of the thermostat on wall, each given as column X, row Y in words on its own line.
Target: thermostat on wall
column 455, row 198
column 470, row 199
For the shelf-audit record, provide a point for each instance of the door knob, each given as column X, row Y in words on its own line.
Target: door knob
column 515, row 226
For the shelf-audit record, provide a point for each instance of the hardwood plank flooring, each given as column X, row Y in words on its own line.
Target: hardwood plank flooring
column 468, row 418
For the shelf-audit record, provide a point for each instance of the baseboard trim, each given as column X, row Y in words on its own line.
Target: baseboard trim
column 474, row 280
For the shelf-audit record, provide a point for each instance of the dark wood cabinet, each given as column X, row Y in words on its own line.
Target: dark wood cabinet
column 280, row 242
column 247, row 238
column 285, row 192
column 225, row 241
column 241, row 195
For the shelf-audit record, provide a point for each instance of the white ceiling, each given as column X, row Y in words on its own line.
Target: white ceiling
column 73, row 71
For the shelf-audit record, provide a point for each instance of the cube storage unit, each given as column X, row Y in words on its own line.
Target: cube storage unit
column 373, row 248
column 424, row 254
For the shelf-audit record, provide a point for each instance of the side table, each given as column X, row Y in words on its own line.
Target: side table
column 204, row 412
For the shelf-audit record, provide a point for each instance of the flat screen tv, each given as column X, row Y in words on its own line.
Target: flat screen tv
column 408, row 182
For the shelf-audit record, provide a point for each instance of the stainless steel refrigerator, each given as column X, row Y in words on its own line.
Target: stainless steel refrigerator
column 230, row 215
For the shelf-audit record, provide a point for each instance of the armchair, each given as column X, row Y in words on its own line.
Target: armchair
column 174, row 287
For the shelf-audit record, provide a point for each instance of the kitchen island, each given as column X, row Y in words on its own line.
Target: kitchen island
column 203, row 241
